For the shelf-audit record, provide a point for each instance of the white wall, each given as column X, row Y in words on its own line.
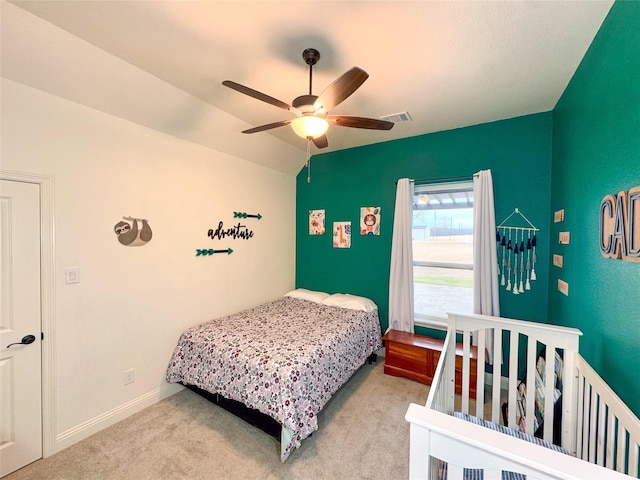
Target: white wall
column 132, row 303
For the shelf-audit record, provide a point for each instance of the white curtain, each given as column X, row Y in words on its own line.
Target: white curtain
column 401, row 275
column 485, row 257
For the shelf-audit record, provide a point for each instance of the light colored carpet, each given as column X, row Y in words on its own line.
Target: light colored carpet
column 362, row 435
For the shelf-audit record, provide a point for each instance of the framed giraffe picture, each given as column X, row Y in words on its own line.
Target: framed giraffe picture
column 341, row 234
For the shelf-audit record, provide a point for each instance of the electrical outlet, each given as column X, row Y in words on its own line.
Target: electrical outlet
column 563, row 287
column 565, row 238
column 128, row 376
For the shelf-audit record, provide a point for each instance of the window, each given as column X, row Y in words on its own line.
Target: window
column 442, row 251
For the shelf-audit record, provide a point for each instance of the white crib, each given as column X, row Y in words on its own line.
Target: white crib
column 599, row 431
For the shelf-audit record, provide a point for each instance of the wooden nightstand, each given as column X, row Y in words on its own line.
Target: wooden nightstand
column 416, row 357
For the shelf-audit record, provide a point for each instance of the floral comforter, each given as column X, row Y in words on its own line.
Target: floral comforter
column 285, row 358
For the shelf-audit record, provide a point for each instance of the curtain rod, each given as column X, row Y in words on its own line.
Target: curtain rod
column 445, row 179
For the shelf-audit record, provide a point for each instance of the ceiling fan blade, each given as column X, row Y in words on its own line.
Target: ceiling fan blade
column 359, row 122
column 340, row 89
column 259, row 95
column 321, row 141
column 268, row 126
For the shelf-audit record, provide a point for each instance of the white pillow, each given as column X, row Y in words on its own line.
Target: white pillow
column 353, row 302
column 309, row 295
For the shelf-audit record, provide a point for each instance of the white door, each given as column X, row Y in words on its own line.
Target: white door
column 20, row 364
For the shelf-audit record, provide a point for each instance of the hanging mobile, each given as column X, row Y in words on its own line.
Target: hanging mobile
column 527, row 264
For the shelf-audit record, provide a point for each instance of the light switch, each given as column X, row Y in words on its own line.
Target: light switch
column 565, row 238
column 71, row 275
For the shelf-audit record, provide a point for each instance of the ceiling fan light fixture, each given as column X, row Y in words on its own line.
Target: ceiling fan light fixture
column 307, row 126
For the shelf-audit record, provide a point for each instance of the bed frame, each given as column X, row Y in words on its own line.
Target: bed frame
column 599, row 431
column 260, row 420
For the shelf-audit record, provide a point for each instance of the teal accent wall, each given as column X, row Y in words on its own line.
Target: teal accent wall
column 518, row 152
column 596, row 151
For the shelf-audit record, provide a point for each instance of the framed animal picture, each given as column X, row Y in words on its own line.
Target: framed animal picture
column 316, row 222
column 370, row 221
column 341, row 234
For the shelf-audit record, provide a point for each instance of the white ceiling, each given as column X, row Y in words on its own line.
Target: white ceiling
column 448, row 63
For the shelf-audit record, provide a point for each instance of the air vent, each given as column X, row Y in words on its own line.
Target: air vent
column 401, row 117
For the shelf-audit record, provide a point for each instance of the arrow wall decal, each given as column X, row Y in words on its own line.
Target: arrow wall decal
column 211, row 251
column 246, row 215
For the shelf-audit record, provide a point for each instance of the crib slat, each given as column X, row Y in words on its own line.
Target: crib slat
column 622, row 441
column 569, row 400
column 593, row 425
column 513, row 377
column 585, row 420
column 481, row 335
column 466, row 353
column 633, row 459
column 497, row 375
column 580, row 420
column 600, row 433
column 549, row 388
column 531, row 383
column 610, row 429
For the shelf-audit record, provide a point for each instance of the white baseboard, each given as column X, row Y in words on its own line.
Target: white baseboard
column 94, row 425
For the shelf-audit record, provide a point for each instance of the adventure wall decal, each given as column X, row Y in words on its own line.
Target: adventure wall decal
column 238, row 231
column 234, row 232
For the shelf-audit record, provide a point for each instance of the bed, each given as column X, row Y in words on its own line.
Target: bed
column 284, row 359
column 452, row 438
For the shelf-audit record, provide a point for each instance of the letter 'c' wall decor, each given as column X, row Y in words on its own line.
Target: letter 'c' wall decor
column 620, row 225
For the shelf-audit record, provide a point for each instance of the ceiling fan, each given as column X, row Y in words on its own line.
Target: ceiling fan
column 311, row 112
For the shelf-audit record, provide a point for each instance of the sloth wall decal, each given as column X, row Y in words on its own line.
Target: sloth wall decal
column 130, row 235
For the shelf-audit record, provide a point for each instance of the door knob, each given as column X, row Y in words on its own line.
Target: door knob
column 26, row 340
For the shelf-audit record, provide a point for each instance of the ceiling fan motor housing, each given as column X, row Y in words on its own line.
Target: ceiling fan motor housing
column 304, row 103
